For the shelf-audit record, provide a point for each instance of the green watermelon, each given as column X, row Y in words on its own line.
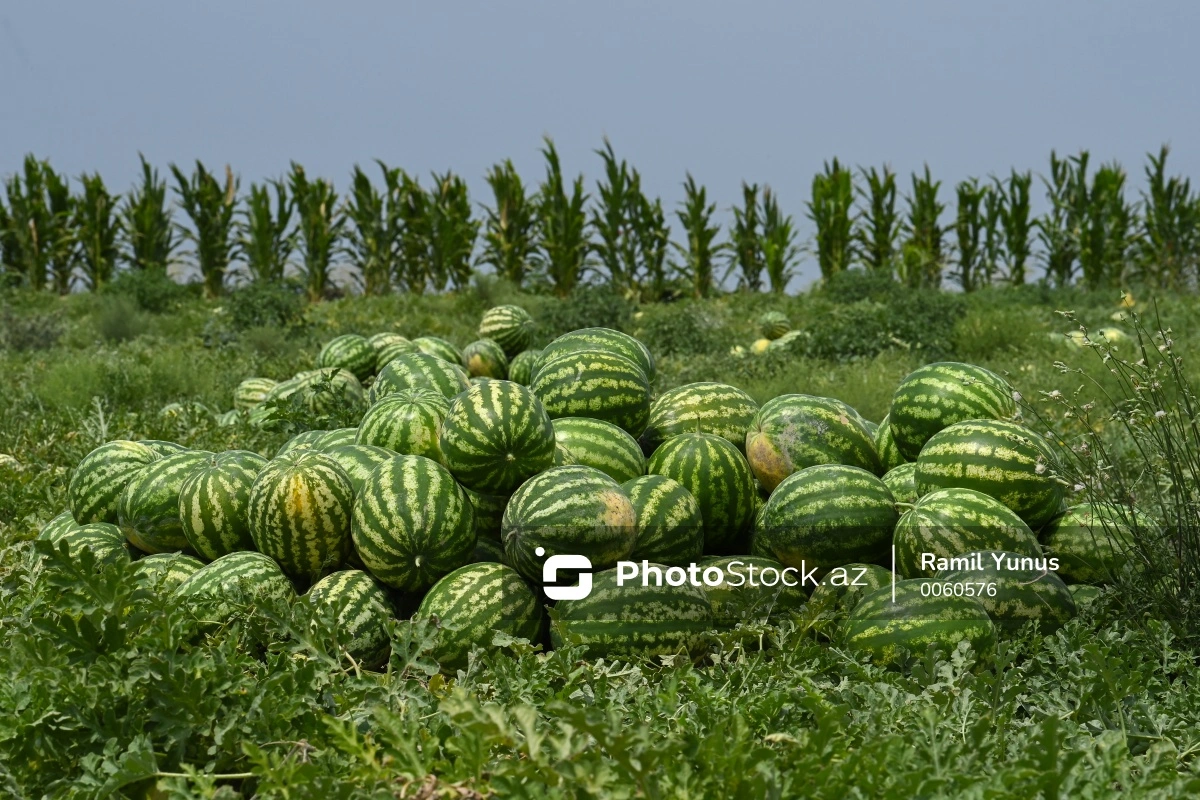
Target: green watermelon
column 826, row 516
column 473, row 602
column 599, row 444
column 511, row 327
column 750, row 589
column 214, row 503
column 252, row 392
column 1002, row 459
column 1013, row 587
column 495, row 436
column 387, row 345
column 634, row 621
column 54, row 530
column 103, row 539
column 773, row 325
column 717, row 475
column 218, row 591
column 889, row 454
column 520, row 369
column 596, row 384
column 938, row 395
column 952, row 522
column 670, row 527
column 148, row 510
column 604, row 340
column 489, row 512
column 486, row 359
column 350, row 352
column 166, row 571
column 361, row 610
column 789, row 341
column 902, row 482
column 487, row 551
column 305, row 440
column 286, row 389
column 840, row 589
column 1094, row 544
column 795, row 431
column 412, row 523
column 358, row 461
column 299, row 511
column 101, row 477
column 440, row 348
column 407, row 422
column 918, row 618
column 335, row 438
column 333, row 390
column 705, row 407
column 419, row 371
column 163, row 449
column 1084, row 594
column 568, row 510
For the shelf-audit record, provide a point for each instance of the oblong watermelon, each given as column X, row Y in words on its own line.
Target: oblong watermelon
column 419, row 371
column 1014, row 588
column 918, row 618
column 940, row 394
column 509, row 326
column 148, row 511
column 251, row 392
column 53, row 530
column 361, row 611
column 704, row 407
column 214, row 503
column 599, row 444
column 486, row 359
column 407, row 422
column 604, row 340
column 359, row 460
column 101, row 476
column 596, row 384
column 350, row 352
column 670, row 526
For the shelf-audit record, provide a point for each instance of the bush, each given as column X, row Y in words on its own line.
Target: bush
column 855, row 285
column 686, row 328
column 258, row 305
column 151, row 290
column 118, row 319
column 587, row 306
column 32, row 332
column 918, row 321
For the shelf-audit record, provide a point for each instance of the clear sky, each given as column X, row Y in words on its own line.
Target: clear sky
column 762, row 91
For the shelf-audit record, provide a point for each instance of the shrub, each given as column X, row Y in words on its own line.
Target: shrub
column 151, row 290
column 263, row 304
column 685, row 328
column 587, row 306
column 118, row 319
column 31, row 332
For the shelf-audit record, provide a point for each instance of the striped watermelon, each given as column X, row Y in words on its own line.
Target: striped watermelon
column 412, row 523
column 774, row 324
column 1084, row 594
column 334, row 438
column 789, row 341
column 305, row 440
column 751, row 589
column 252, row 392
column 286, row 389
column 916, row 620
column 166, row 571
column 473, row 602
column 148, row 509
column 599, row 444
column 407, row 422
column 670, row 527
column 54, row 530
column 163, row 449
column 344, row 391
column 489, row 513
column 360, row 609
column 952, row 522
column 419, row 371
column 705, row 407
column 520, row 369
column 1003, row 459
column 440, row 348
column 604, row 340
column 101, row 477
column 380, row 341
column 634, row 621
column 496, row 436
column 358, row 461
column 220, row 590
column 717, row 475
column 1094, row 544
column 938, row 395
column 596, row 384
column 214, row 503
column 795, row 431
column 486, row 359
column 229, row 418
column 826, row 516
column 568, row 510
column 840, row 589
column 1025, row 589
column 300, row 507
column 487, row 551
column 902, row 482
column 889, row 454
column 389, row 352
column 105, row 541
column 511, row 327
column 350, row 352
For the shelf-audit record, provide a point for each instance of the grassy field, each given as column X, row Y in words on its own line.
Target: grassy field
column 105, row 689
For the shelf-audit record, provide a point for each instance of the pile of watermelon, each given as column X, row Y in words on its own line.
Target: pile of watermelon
column 471, row 468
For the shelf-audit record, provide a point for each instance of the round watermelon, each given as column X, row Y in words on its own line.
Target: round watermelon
column 773, row 325
column 509, row 326
column 167, row 571
column 598, row 444
column 486, row 359
column 1015, row 588
column 596, row 384
column 705, row 407
column 252, row 392
column 841, row 588
column 920, row 616
column 407, row 422
column 520, row 369
column 148, row 511
column 360, row 609
column 331, row 391
column 440, row 348
column 358, row 461
column 163, row 449
column 105, row 541
column 938, row 395
column 604, row 340
column 350, row 352
column 383, row 344
column 214, row 503
column 670, row 527
column 902, row 482
column 101, row 477
column 889, row 453
column 305, row 440
column 54, row 530
column 419, row 371
column 227, row 586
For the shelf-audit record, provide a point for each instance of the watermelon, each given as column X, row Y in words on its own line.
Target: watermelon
column 440, row 348
column 412, row 523
column 1084, row 594
column 229, row 418
column 917, row 619
column 358, row 461
column 750, row 589
column 511, row 327
column 568, row 510
column 219, row 590
column 166, row 571
column 299, row 511
column 334, row 438
column 214, row 503
column 952, row 522
column 361, row 610
column 103, row 539
column 889, row 454
column 938, row 395
column 840, row 589
column 596, row 384
column 473, row 602
column 495, row 436
column 1094, row 544
column 634, row 620
column 406, row 422
column 795, row 431
column 717, row 475
column 350, row 352
column 670, row 527
column 1002, row 459
column 101, row 477
column 1014, row 588
column 773, row 324
column 285, row 389
column 305, row 440
column 419, row 371
column 489, row 512
column 388, row 345
column 486, row 359
column 331, row 391
column 604, row 340
column 706, row 407
column 826, row 516
column 252, row 392
column 520, row 369
column 902, row 482
column 487, row 551
column 599, row 444
column 54, row 530
column 148, row 510
column 163, row 449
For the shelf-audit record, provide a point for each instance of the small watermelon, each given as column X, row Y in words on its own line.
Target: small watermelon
column 407, row 422
column 840, row 589
column 938, row 395
column 361, row 610
column 596, row 384
column 214, row 503
column 148, row 511
column 917, row 618
column 419, row 371
column 251, row 392
column 358, row 461
column 1014, row 588
column 704, row 407
column 100, row 478
column 599, row 444
column 165, row 572
column 670, row 527
column 486, row 359
column 509, row 326
column 604, row 340
column 520, row 369
column 902, row 482
column 350, row 352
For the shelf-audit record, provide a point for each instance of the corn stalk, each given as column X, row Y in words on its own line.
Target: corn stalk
column 1168, row 248
column 779, row 247
column 452, row 232
column 831, row 210
column 370, row 237
column 96, row 229
column 654, row 242
column 923, row 258
column 146, row 225
column 319, row 230
column 613, row 220
column 1016, row 224
column 1107, row 230
column 746, row 244
column 696, row 217
column 1059, row 230
column 878, row 231
column 409, row 210
column 563, row 226
column 39, row 239
column 510, row 230
column 265, row 240
column 210, row 207
column 968, row 225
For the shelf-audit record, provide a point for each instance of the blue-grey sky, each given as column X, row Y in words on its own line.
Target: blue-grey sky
column 762, row 91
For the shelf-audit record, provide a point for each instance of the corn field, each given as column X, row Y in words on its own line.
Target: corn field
column 389, row 232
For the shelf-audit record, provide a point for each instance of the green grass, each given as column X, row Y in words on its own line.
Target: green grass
column 105, row 689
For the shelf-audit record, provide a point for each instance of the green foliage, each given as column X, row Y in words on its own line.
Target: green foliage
column 700, row 252
column 779, row 248
column 922, row 257
column 830, row 209
column 511, row 228
column 452, row 232
column 408, row 207
column 588, row 306
column 1106, row 233
column 371, row 234
column 1168, row 249
column 685, row 328
column 653, row 242
column 917, row 321
column 263, row 304
column 96, row 230
column 118, row 319
column 968, row 227
column 1016, row 224
column 26, row 332
column 146, row 226
column 563, row 232
column 39, row 245
column 265, row 240
column 320, row 227
column 619, row 200
column 150, row 290
column 878, row 231
column 1066, row 189
column 745, row 241
column 211, row 208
